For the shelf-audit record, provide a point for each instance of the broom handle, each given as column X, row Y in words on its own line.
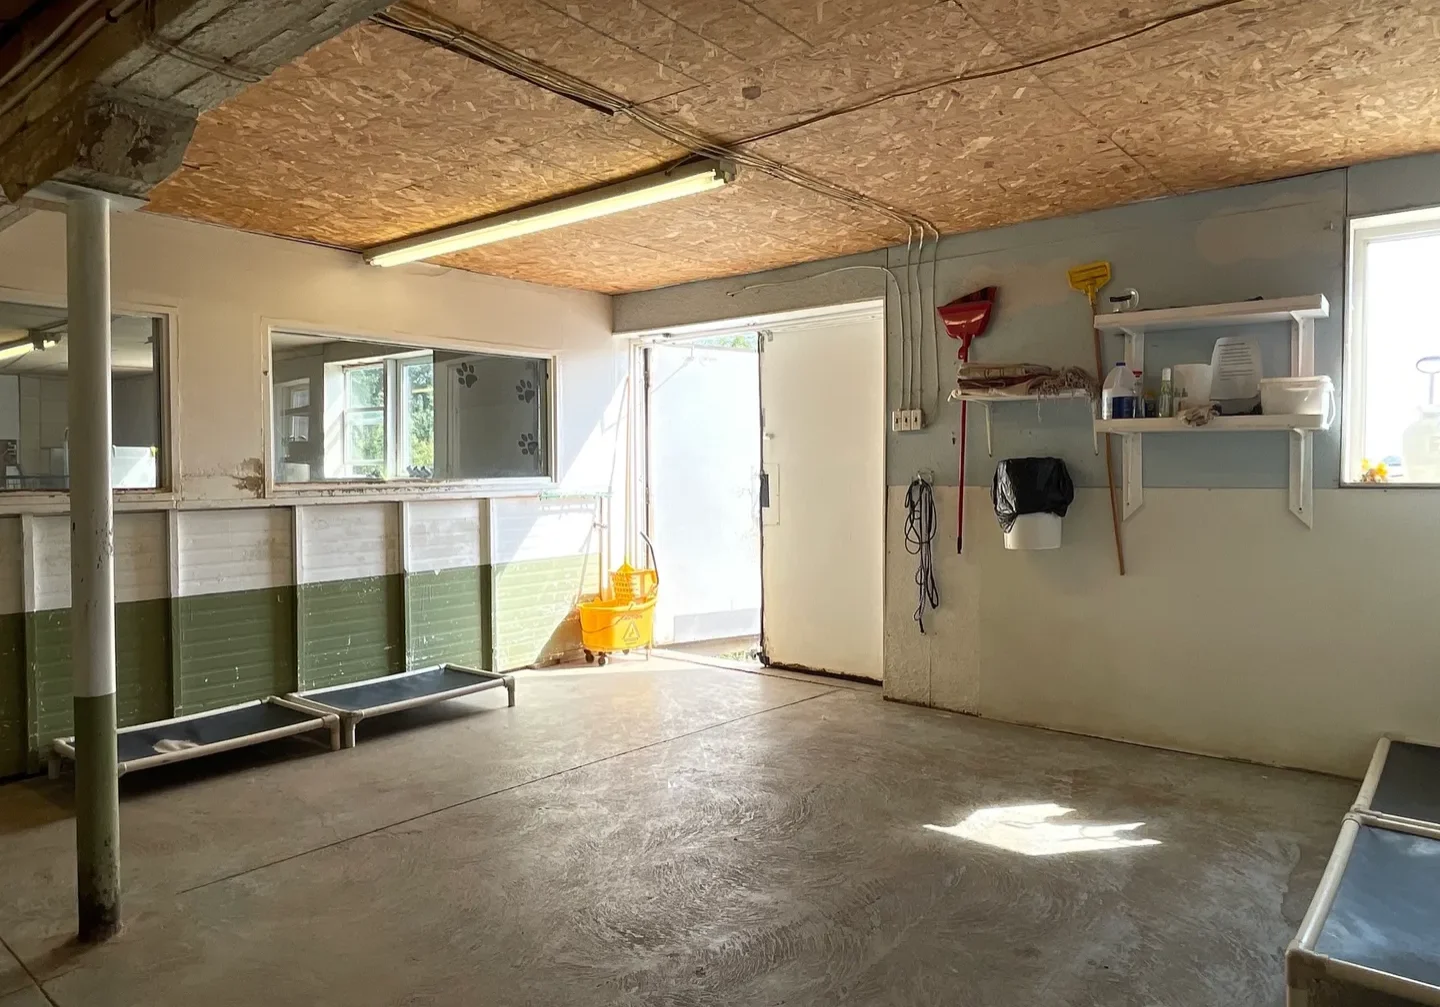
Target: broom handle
column 960, row 507
column 1109, row 463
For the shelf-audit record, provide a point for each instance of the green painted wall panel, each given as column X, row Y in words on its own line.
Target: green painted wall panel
column 234, row 647
column 142, row 668
column 534, row 609
column 351, row 630
column 447, row 617
column 13, row 743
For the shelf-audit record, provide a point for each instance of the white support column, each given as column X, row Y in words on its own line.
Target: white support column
column 92, row 566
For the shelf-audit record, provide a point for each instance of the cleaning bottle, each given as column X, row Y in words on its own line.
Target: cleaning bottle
column 1117, row 398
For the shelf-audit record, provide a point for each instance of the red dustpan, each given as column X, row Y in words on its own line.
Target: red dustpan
column 966, row 319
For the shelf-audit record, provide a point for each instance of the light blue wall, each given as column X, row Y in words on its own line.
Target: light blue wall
column 1274, row 239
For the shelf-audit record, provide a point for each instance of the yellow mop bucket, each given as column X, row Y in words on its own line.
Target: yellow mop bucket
column 610, row 626
column 625, row 621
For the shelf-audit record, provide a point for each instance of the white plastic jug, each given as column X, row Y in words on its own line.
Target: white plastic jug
column 1117, row 398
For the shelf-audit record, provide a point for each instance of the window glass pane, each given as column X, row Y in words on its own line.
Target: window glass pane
column 34, row 399
column 418, row 442
column 1398, row 346
column 365, row 436
column 495, row 420
column 365, row 386
column 360, row 410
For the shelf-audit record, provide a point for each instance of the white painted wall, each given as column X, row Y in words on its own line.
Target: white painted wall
column 1234, row 632
column 1237, row 631
column 229, row 286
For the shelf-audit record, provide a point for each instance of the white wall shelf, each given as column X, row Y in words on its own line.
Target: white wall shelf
column 1217, row 424
column 988, row 399
column 1205, row 316
column 1298, row 313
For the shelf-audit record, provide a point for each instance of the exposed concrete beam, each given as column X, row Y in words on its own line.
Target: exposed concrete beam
column 102, row 140
column 105, row 92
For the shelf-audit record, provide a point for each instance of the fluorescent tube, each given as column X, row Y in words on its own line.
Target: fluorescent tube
column 684, row 180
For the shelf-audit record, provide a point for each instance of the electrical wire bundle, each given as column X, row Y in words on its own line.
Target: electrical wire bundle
column 919, row 537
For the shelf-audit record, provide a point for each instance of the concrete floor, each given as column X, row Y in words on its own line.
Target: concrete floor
column 672, row 834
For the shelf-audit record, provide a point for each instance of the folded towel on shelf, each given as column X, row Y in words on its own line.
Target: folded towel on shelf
column 1024, row 380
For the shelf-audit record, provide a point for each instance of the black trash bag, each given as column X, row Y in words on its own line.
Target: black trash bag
column 1030, row 486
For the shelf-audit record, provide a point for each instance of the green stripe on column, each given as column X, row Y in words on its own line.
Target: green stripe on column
column 142, row 669
column 233, row 647
column 97, row 808
column 351, row 630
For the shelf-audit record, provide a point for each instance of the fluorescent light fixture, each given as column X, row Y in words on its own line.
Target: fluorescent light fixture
column 12, row 351
column 657, row 187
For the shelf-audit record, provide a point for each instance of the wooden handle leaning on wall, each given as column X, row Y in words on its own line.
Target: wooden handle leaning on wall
column 1109, row 464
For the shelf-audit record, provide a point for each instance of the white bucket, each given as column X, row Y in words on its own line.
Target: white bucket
column 1034, row 531
column 1309, row 396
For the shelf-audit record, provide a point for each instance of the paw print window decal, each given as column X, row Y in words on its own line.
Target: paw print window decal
column 525, row 390
column 529, row 445
column 465, row 373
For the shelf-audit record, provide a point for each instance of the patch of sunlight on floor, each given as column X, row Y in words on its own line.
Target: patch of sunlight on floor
column 1028, row 829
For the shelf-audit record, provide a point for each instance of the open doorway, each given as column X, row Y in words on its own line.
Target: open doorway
column 764, row 485
column 703, row 499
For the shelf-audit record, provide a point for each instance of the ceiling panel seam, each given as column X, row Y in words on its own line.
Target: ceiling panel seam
column 1079, row 115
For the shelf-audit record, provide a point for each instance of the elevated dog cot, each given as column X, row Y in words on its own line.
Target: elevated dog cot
column 199, row 734
column 355, row 702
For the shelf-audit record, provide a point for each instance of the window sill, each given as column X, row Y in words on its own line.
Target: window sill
column 1389, row 486
column 26, row 502
column 341, row 492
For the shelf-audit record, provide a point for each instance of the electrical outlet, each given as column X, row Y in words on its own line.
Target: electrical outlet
column 907, row 420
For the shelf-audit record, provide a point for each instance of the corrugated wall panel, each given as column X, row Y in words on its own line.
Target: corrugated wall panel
column 13, row 744
column 446, row 535
column 235, row 617
column 535, row 619
column 233, row 551
column 142, row 668
column 447, row 617
column 234, row 647
column 350, row 630
column 141, row 559
column 546, row 555
column 349, row 542
column 13, row 741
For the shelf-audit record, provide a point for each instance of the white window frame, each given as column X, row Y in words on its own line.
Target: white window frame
column 406, row 488
column 1361, row 233
column 402, row 410
column 347, row 410
column 168, row 469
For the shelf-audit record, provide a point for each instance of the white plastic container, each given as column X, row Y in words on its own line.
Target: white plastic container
column 1117, row 397
column 1034, row 531
column 1309, row 396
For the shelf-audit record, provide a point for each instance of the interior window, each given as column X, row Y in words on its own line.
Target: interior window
column 34, row 399
column 1392, row 351
column 351, row 410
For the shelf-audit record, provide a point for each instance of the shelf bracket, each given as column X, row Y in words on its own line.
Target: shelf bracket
column 1302, row 476
column 1302, row 443
column 1132, row 480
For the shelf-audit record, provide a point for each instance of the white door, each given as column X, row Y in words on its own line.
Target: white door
column 822, row 393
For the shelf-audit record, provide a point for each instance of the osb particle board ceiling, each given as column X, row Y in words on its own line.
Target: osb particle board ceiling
column 1070, row 105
